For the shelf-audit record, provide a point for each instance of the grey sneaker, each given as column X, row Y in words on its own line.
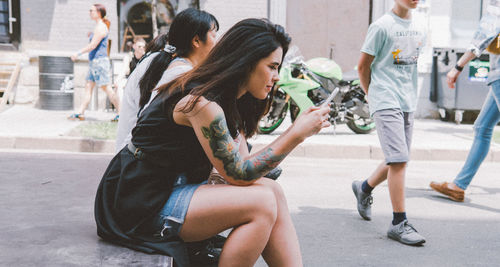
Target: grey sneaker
column 405, row 233
column 364, row 201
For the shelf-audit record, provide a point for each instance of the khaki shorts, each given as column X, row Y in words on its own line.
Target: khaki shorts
column 394, row 130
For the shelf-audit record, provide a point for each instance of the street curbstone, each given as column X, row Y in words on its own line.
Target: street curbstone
column 7, row 142
column 310, row 150
column 54, row 143
column 103, row 146
column 336, row 151
column 376, row 153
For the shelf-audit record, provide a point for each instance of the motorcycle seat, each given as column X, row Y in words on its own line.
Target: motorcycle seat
column 350, row 76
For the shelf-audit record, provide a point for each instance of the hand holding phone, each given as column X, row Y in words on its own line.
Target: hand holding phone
column 331, row 96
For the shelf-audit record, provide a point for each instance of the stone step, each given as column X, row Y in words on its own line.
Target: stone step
column 4, row 82
column 5, row 74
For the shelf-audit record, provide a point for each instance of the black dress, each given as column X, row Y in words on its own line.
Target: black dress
column 133, row 191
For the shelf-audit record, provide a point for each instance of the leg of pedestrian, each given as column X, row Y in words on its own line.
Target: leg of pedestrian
column 483, row 127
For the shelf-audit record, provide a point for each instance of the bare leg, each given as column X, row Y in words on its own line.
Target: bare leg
column 89, row 86
column 283, row 248
column 113, row 97
column 251, row 210
column 396, row 183
column 379, row 175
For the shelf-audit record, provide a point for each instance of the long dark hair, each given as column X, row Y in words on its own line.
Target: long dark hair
column 186, row 25
column 228, row 67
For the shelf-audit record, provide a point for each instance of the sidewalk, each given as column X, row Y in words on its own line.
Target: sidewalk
column 26, row 127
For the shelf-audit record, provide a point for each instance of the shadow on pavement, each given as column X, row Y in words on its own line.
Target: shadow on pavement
column 435, row 196
column 338, row 237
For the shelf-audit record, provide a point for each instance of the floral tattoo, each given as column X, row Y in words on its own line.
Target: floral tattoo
column 223, row 148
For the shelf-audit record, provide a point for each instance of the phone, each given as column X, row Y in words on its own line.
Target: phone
column 330, row 97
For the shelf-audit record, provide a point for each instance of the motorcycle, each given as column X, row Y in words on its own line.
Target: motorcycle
column 305, row 84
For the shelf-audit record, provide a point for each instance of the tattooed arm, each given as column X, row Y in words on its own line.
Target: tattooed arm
column 235, row 165
column 208, row 121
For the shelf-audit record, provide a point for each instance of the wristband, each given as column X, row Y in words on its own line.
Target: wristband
column 459, row 68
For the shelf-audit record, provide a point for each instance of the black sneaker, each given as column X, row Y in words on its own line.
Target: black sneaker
column 206, row 253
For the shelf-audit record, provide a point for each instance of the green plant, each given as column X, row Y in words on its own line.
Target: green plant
column 97, row 130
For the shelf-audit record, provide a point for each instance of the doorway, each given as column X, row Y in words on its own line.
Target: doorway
column 10, row 21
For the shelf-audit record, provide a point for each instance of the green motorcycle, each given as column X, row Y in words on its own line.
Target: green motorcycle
column 305, row 84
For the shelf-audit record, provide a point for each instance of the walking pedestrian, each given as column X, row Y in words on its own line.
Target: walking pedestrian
column 485, row 37
column 99, row 73
column 388, row 73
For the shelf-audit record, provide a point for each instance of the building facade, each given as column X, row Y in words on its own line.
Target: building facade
column 320, row 28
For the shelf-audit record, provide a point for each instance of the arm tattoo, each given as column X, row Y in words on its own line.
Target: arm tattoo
column 223, row 148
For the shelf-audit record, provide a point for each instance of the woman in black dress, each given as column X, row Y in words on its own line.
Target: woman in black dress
column 154, row 195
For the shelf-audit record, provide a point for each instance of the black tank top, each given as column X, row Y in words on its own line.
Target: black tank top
column 157, row 134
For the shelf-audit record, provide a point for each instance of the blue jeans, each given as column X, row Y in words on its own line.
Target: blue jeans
column 483, row 127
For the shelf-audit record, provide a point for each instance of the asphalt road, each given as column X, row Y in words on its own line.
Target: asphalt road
column 47, row 214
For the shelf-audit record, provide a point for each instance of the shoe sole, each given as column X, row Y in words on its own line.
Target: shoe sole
column 438, row 189
column 396, row 238
column 76, row 119
column 353, row 186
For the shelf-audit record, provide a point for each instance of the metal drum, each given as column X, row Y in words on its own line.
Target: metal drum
column 55, row 79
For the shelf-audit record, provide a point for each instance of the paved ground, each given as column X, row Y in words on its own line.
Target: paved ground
column 47, row 214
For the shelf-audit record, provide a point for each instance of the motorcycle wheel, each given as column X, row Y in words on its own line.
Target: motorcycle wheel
column 269, row 123
column 361, row 125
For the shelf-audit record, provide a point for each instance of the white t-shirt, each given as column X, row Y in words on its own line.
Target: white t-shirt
column 131, row 95
column 396, row 44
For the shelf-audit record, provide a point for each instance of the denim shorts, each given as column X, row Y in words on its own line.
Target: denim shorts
column 99, row 71
column 169, row 220
column 394, row 130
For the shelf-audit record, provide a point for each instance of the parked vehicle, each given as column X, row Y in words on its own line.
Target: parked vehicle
column 305, row 84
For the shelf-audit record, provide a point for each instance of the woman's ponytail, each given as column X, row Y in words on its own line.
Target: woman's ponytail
column 154, row 73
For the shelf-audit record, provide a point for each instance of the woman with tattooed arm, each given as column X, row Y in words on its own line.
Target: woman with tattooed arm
column 154, row 195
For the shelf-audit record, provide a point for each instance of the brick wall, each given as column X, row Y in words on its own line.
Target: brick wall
column 228, row 12
column 61, row 25
column 55, row 25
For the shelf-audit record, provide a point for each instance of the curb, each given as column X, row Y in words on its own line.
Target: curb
column 310, row 150
column 68, row 144
column 375, row 152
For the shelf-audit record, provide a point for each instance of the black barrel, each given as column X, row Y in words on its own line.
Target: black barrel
column 55, row 79
column 55, row 100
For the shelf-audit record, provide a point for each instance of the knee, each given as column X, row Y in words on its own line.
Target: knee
column 276, row 189
column 483, row 131
column 266, row 207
